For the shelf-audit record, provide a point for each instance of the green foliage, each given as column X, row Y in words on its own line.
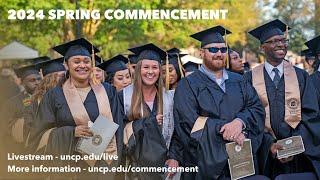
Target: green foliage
column 115, row 36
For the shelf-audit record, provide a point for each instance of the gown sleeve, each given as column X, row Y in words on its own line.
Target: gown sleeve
column 60, row 140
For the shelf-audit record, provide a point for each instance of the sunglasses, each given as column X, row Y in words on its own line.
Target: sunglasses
column 215, row 50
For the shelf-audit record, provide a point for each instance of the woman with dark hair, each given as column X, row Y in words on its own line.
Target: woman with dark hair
column 235, row 62
column 173, row 68
column 148, row 108
column 314, row 46
column 117, row 73
column 66, row 112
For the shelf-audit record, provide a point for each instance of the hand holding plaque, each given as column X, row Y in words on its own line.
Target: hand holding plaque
column 291, row 146
column 240, row 159
column 103, row 131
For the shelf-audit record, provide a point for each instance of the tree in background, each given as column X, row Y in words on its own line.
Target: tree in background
column 115, row 36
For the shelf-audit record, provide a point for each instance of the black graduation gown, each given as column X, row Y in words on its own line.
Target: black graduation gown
column 315, row 78
column 148, row 147
column 197, row 95
column 16, row 107
column 308, row 127
column 54, row 112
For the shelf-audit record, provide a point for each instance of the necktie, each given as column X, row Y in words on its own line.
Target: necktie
column 276, row 78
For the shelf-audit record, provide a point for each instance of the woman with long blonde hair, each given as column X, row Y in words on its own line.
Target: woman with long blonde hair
column 148, row 108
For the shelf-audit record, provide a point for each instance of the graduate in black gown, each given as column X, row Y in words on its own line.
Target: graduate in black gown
column 189, row 67
column 213, row 107
column 117, row 72
column 53, row 73
column 290, row 102
column 132, row 63
column 314, row 47
column 173, row 69
column 17, row 109
column 148, row 108
column 64, row 112
column 235, row 62
column 310, row 59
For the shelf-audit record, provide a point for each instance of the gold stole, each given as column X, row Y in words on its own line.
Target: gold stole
column 80, row 114
column 292, row 95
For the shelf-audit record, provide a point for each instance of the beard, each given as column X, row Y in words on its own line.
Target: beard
column 214, row 64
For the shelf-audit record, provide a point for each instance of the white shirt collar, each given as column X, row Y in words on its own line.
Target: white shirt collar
column 269, row 69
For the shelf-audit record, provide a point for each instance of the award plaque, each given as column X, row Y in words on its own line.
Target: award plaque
column 292, row 146
column 240, row 159
column 103, row 131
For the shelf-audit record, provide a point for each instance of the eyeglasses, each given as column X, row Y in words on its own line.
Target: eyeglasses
column 278, row 41
column 215, row 50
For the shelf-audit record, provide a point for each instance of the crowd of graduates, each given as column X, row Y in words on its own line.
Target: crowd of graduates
column 169, row 113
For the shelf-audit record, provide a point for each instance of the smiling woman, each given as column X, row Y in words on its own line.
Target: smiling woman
column 65, row 112
column 117, row 71
column 148, row 109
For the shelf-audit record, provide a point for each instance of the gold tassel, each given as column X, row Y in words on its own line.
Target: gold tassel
column 287, row 32
column 225, row 38
column 94, row 78
column 41, row 73
column 167, row 73
column 180, row 66
column 129, row 67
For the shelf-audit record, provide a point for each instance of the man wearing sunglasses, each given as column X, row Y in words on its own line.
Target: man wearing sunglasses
column 291, row 107
column 213, row 107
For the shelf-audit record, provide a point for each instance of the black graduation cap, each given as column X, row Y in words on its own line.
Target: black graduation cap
column 174, row 51
column 308, row 53
column 149, row 51
column 38, row 60
column 76, row 47
column 25, row 71
column 51, row 66
column 133, row 58
column 175, row 61
column 272, row 28
column 190, row 66
column 314, row 44
column 116, row 63
column 211, row 35
column 98, row 60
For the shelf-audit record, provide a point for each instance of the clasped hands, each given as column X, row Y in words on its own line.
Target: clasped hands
column 233, row 132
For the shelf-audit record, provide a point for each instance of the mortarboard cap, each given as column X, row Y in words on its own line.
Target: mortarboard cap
column 174, row 59
column 76, row 47
column 51, row 66
column 133, row 58
column 307, row 53
column 211, row 35
column 25, row 71
column 149, row 51
column 266, row 31
column 190, row 66
column 38, row 60
column 116, row 63
column 174, row 51
column 314, row 45
column 98, row 60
